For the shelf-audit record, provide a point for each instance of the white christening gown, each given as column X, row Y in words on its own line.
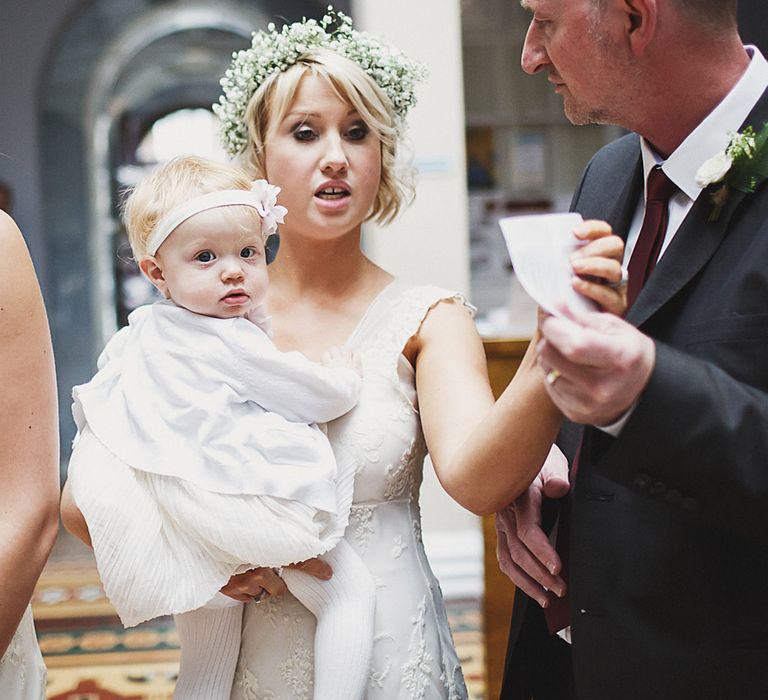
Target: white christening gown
column 22, row 671
column 413, row 652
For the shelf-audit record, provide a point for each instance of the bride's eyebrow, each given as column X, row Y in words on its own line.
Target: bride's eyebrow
column 306, row 114
column 300, row 114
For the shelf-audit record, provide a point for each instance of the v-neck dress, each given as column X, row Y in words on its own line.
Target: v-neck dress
column 413, row 652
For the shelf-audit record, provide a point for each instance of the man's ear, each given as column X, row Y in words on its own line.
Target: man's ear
column 151, row 269
column 640, row 17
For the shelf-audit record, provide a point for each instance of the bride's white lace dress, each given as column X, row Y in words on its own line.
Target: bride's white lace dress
column 413, row 653
column 22, row 671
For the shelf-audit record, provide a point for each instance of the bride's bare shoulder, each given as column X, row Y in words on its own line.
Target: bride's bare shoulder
column 19, row 289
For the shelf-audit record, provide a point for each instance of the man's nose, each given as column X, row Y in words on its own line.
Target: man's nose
column 534, row 56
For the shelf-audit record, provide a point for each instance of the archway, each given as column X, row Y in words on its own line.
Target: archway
column 118, row 66
column 168, row 58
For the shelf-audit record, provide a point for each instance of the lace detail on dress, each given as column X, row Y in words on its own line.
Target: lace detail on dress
column 378, row 677
column 452, row 680
column 251, row 688
column 297, row 670
column 399, row 547
column 270, row 608
column 402, row 410
column 416, row 671
column 356, row 442
column 362, row 529
column 417, row 530
column 14, row 657
column 400, row 478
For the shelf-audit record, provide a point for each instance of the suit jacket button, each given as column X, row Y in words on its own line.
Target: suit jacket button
column 689, row 503
column 642, row 481
column 601, row 497
column 673, row 497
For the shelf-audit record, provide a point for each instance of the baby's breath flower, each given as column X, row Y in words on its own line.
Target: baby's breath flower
column 273, row 52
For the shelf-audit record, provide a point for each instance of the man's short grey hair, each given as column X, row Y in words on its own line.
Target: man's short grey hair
column 713, row 15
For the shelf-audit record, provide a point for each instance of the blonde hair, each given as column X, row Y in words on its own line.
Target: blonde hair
column 172, row 184
column 271, row 102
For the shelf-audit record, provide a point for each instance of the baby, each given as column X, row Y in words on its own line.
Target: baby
column 198, row 453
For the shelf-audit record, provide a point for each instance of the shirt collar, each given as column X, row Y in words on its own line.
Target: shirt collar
column 714, row 134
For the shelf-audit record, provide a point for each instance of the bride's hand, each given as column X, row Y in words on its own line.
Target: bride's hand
column 254, row 584
column 597, row 267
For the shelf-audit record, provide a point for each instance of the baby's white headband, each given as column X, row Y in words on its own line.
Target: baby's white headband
column 262, row 197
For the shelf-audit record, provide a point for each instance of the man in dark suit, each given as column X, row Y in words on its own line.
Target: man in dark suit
column 668, row 575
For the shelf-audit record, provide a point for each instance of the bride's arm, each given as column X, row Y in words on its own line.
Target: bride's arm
column 29, row 440
column 486, row 454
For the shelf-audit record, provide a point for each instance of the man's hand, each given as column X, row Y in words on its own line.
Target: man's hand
column 524, row 552
column 597, row 365
column 597, row 267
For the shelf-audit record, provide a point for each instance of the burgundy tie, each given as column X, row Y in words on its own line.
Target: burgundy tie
column 646, row 253
column 558, row 614
column 641, row 264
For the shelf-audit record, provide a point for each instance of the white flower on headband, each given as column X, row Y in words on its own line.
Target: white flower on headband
column 273, row 52
column 271, row 212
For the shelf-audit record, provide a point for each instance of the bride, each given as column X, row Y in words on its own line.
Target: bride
column 320, row 114
column 29, row 463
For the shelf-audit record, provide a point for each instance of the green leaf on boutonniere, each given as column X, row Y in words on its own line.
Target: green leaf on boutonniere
column 749, row 152
column 742, row 167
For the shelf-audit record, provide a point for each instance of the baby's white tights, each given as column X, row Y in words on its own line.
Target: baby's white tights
column 344, row 607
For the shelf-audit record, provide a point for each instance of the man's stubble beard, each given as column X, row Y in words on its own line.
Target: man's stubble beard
column 580, row 114
column 615, row 96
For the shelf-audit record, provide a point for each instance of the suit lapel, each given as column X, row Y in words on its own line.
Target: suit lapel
column 693, row 245
column 625, row 178
column 624, row 210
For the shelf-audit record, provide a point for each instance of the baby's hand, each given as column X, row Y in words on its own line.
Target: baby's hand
column 342, row 357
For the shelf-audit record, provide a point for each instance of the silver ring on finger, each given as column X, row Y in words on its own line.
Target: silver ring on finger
column 620, row 284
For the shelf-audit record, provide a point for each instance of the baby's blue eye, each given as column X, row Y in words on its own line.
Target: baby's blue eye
column 248, row 252
column 205, row 256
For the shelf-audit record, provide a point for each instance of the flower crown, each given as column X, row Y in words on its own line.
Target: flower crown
column 273, row 52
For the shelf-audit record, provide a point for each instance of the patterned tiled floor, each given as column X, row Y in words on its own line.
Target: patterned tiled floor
column 90, row 655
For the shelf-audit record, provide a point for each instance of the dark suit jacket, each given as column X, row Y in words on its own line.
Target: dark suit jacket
column 669, row 549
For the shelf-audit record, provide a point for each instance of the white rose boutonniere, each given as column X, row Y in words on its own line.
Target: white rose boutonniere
column 742, row 166
column 714, row 170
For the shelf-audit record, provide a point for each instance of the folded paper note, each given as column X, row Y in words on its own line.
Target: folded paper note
column 540, row 247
